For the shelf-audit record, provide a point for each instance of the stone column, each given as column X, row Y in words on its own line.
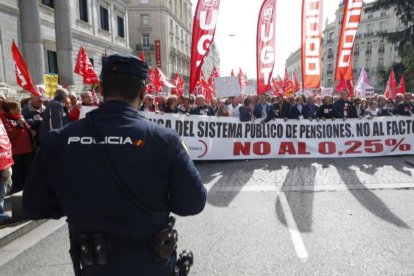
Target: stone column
column 63, row 35
column 32, row 46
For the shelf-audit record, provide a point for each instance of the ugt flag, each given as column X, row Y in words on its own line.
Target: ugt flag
column 85, row 69
column 265, row 48
column 205, row 20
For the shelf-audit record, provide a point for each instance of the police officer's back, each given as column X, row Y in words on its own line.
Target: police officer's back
column 71, row 176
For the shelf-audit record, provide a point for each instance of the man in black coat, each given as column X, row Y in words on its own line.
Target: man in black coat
column 116, row 176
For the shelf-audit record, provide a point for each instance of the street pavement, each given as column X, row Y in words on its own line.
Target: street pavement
column 282, row 217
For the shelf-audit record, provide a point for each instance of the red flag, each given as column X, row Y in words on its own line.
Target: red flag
column 401, row 87
column 214, row 74
column 242, row 79
column 6, row 157
column 265, row 53
column 296, row 83
column 151, row 81
column 278, row 85
column 142, row 55
column 23, row 77
column 390, row 89
column 350, row 22
column 176, row 82
column 204, row 28
column 346, row 85
column 85, row 69
column 161, row 80
column 232, row 73
column 312, row 14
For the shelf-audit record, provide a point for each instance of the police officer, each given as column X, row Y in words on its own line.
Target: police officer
column 117, row 177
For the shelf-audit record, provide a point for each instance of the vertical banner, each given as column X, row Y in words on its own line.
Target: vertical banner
column 51, row 84
column 350, row 22
column 204, row 28
column 265, row 48
column 157, row 53
column 312, row 14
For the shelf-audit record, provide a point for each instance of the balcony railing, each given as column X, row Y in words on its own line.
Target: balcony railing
column 369, row 34
column 330, row 40
column 149, row 47
column 358, row 35
column 329, row 71
column 330, row 56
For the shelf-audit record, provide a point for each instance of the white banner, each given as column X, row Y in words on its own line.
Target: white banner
column 212, row 138
column 227, row 87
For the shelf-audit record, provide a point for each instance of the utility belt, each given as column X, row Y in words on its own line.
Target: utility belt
column 95, row 248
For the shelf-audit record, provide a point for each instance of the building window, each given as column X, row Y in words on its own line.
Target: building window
column 368, row 64
column 104, row 19
column 383, row 26
column 356, row 50
column 356, row 64
column 49, row 3
column 381, row 48
column 121, row 30
column 381, row 62
column 145, row 41
column 330, row 53
column 145, row 19
column 369, row 48
column 330, row 69
column 52, row 62
column 370, row 14
column 383, row 12
column 83, row 10
column 145, row 2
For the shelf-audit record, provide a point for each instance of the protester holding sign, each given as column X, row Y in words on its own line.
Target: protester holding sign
column 326, row 109
column 86, row 100
column 343, row 108
column 246, row 110
column 296, row 110
column 310, row 110
column 405, row 108
column 202, row 108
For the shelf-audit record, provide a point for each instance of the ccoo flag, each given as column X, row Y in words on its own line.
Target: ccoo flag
column 205, row 20
column 350, row 22
column 265, row 48
column 312, row 14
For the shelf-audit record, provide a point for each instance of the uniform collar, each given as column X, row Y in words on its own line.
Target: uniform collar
column 115, row 105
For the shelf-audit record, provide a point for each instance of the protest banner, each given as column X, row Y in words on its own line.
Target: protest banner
column 212, row 138
column 250, row 88
column 227, row 87
column 51, row 84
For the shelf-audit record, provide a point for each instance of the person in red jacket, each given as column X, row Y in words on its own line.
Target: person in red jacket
column 22, row 141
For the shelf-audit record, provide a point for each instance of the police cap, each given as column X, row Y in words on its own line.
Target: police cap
column 125, row 65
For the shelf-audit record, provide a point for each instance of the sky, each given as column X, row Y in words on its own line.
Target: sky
column 236, row 32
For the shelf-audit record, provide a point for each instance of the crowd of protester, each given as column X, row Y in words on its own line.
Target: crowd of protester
column 27, row 122
column 266, row 108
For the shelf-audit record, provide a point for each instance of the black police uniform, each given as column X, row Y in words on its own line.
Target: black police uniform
column 70, row 178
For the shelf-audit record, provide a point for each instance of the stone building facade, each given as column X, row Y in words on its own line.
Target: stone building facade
column 169, row 23
column 371, row 51
column 51, row 46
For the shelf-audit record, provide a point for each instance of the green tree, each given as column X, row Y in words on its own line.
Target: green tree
column 404, row 38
